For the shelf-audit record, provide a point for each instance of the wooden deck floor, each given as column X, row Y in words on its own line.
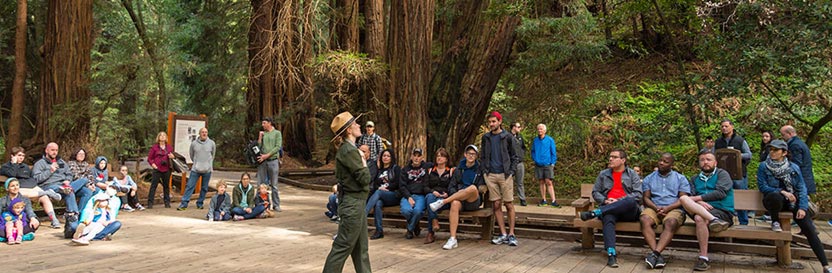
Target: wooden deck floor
column 298, row 240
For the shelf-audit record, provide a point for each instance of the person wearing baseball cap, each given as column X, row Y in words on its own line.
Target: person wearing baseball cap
column 353, row 187
column 372, row 140
column 781, row 183
column 465, row 188
column 413, row 188
column 500, row 157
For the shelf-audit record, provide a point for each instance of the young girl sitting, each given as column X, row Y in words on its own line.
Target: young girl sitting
column 219, row 208
column 263, row 200
column 131, row 199
column 14, row 219
column 93, row 223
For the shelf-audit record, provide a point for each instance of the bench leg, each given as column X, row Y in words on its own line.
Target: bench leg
column 587, row 238
column 784, row 253
column 487, row 227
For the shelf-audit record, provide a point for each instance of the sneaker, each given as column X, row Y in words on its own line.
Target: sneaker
column 586, row 215
column 543, row 204
column 377, row 235
column 612, row 261
column 408, row 235
column 53, row 195
column 499, row 240
column 79, row 231
column 200, row 207
column 55, row 224
column 775, row 226
column 523, row 203
column 512, row 240
column 417, row 232
column 127, row 208
column 66, row 189
column 335, row 218
column 28, row 236
column 651, row 260
column 238, row 218
column 660, row 263
column 181, row 208
column 328, row 214
column 701, row 265
column 828, row 268
column 555, row 204
column 830, row 222
column 80, row 242
column 139, row 207
column 718, row 225
column 436, row 205
column 450, row 244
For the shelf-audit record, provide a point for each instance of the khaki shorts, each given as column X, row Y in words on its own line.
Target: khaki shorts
column 500, row 187
column 30, row 192
column 673, row 214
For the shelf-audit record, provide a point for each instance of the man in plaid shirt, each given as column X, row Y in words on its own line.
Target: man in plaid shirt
column 371, row 139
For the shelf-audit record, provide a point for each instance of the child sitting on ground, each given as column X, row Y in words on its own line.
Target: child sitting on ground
column 131, row 199
column 262, row 199
column 14, row 219
column 101, row 216
column 332, row 205
column 219, row 208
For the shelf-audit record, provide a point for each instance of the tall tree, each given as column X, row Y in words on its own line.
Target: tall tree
column 16, row 116
column 408, row 49
column 345, row 25
column 476, row 47
column 151, row 50
column 375, row 46
column 63, row 111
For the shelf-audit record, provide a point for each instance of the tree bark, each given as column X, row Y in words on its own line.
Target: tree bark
column 409, row 45
column 66, row 72
column 345, row 25
column 150, row 48
column 374, row 45
column 476, row 50
column 16, row 116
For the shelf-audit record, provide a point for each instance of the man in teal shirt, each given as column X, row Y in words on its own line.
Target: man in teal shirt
column 270, row 141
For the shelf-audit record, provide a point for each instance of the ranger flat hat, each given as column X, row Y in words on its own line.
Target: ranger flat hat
column 341, row 122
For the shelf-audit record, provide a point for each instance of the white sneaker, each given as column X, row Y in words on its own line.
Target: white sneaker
column 451, row 244
column 436, row 205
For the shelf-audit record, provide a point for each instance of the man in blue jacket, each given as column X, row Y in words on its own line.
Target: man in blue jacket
column 545, row 155
column 799, row 154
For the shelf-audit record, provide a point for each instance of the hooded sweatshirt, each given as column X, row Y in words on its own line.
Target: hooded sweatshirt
column 413, row 180
column 202, row 154
column 100, row 175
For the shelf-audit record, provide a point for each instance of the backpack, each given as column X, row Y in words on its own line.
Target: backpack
column 71, row 220
column 251, row 153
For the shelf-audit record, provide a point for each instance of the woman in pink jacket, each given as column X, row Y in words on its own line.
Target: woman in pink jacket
column 158, row 159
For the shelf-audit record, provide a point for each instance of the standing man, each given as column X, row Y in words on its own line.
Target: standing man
column 202, row 153
column 618, row 191
column 662, row 190
column 521, row 168
column 545, row 155
column 711, row 205
column 270, row 141
column 372, row 140
column 709, row 145
column 731, row 140
column 498, row 166
column 52, row 173
column 800, row 155
column 353, row 188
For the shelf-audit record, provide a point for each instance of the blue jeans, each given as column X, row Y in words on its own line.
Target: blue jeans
column 110, row 229
column 80, row 192
column 377, row 202
column 189, row 189
column 267, row 173
column 257, row 210
column 413, row 214
column 332, row 205
column 217, row 216
column 742, row 215
column 624, row 210
column 432, row 214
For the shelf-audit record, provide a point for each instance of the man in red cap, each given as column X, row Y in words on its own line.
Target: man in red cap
column 500, row 156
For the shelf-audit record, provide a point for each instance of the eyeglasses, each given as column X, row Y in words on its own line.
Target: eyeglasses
column 471, row 154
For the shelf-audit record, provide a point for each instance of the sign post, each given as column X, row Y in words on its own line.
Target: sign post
column 182, row 130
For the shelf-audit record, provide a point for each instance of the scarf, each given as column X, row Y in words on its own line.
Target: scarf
column 782, row 171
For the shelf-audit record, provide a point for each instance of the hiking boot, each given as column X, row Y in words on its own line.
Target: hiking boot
column 436, row 205
column 499, row 240
column 555, row 204
column 429, row 238
column 435, row 225
column 775, row 226
column 660, row 263
column 587, row 215
column 377, row 235
column 450, row 244
column 612, row 261
column 408, row 235
column 718, row 225
column 417, row 231
column 651, row 260
column 701, row 265
column 512, row 240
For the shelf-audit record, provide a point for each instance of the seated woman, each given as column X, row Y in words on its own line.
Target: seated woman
column 243, row 202
column 385, row 189
column 464, row 192
column 781, row 183
column 439, row 178
column 124, row 182
column 412, row 188
column 13, row 192
column 16, row 168
column 78, row 166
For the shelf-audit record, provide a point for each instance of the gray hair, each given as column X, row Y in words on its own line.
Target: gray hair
column 542, row 125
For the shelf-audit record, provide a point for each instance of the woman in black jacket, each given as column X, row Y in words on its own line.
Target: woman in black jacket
column 385, row 188
column 439, row 178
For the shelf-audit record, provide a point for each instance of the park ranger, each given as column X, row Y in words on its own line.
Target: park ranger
column 353, row 187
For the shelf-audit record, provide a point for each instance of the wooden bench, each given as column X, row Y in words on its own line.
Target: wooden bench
column 743, row 200
column 483, row 217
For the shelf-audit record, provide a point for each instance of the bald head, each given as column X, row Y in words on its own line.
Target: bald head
column 51, row 150
column 787, row 132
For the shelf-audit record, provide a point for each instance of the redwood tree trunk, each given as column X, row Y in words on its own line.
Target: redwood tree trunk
column 375, row 91
column 65, row 78
column 346, row 25
column 150, row 48
column 16, row 117
column 476, row 50
column 409, row 44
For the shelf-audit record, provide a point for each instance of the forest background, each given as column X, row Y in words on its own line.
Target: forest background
column 649, row 76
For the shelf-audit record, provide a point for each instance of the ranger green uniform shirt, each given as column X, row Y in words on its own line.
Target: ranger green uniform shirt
column 351, row 170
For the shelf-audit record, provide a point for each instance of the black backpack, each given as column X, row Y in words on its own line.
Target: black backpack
column 251, row 153
column 71, row 220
